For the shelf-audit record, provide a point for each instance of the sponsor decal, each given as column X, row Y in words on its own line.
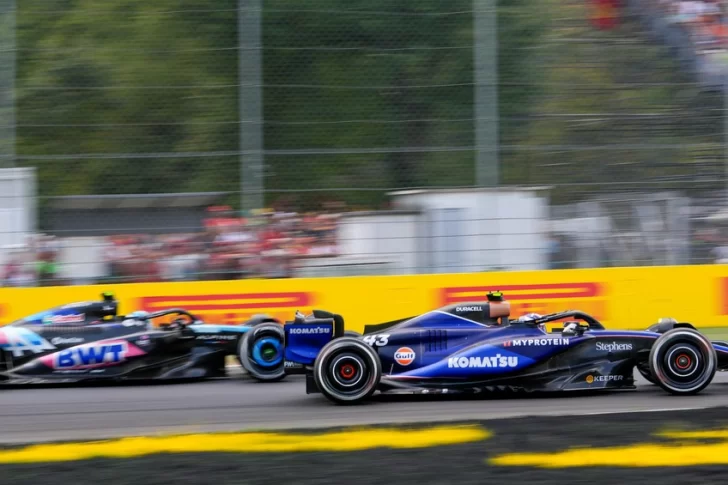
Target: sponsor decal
column 535, row 342
column 404, row 356
column 723, row 296
column 144, row 340
column 19, row 341
column 379, row 340
column 497, row 360
column 233, row 308
column 217, row 337
column 589, row 297
column 468, row 308
column 591, row 379
column 613, row 346
column 292, row 365
column 93, row 355
column 66, row 340
column 309, row 330
column 62, row 319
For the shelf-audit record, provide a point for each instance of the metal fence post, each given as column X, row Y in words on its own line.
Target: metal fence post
column 485, row 36
column 7, row 83
column 250, row 77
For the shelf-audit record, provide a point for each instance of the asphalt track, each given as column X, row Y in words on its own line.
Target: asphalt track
column 94, row 412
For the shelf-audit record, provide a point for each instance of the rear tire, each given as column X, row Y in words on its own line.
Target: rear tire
column 683, row 361
column 260, row 352
column 347, row 371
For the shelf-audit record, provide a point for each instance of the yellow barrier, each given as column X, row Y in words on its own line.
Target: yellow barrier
column 627, row 298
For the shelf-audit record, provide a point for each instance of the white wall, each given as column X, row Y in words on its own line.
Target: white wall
column 18, row 217
column 382, row 236
column 480, row 229
column 82, row 259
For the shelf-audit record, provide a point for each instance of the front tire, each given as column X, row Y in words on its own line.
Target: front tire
column 260, row 352
column 683, row 361
column 347, row 371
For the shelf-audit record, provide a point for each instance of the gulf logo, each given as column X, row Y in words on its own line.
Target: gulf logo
column 404, row 356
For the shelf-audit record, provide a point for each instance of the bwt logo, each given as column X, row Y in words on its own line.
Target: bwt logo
column 546, row 298
column 232, row 308
column 94, row 355
column 310, row 330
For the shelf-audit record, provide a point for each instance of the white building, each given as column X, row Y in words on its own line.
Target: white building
column 444, row 231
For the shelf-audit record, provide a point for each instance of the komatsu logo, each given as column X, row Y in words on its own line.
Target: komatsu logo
column 613, row 347
column 310, row 330
column 497, row 360
column 532, row 342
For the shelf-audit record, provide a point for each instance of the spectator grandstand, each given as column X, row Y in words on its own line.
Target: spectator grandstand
column 265, row 244
column 695, row 30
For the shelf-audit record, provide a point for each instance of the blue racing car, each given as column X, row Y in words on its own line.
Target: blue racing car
column 476, row 347
column 89, row 340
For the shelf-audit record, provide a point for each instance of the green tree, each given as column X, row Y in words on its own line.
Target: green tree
column 354, row 94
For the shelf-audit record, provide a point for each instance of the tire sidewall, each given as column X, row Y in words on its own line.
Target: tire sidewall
column 694, row 338
column 321, row 369
column 246, row 343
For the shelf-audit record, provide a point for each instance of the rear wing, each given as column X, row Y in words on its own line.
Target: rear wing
column 305, row 337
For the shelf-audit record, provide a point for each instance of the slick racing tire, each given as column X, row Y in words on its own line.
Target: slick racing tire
column 683, row 361
column 260, row 352
column 347, row 370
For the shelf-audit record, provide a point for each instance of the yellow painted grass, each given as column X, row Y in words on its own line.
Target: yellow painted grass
column 248, row 442
column 682, row 452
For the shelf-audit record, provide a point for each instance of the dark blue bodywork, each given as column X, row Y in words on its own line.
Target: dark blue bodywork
column 455, row 348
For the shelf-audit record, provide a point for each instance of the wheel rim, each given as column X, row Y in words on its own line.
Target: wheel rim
column 684, row 365
column 267, row 352
column 347, row 373
column 682, row 362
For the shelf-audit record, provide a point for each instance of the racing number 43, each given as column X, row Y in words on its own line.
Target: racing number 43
column 377, row 340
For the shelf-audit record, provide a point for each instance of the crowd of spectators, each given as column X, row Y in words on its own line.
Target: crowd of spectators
column 696, row 30
column 34, row 263
column 266, row 244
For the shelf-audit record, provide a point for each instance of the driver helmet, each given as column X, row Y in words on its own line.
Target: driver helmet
column 529, row 317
